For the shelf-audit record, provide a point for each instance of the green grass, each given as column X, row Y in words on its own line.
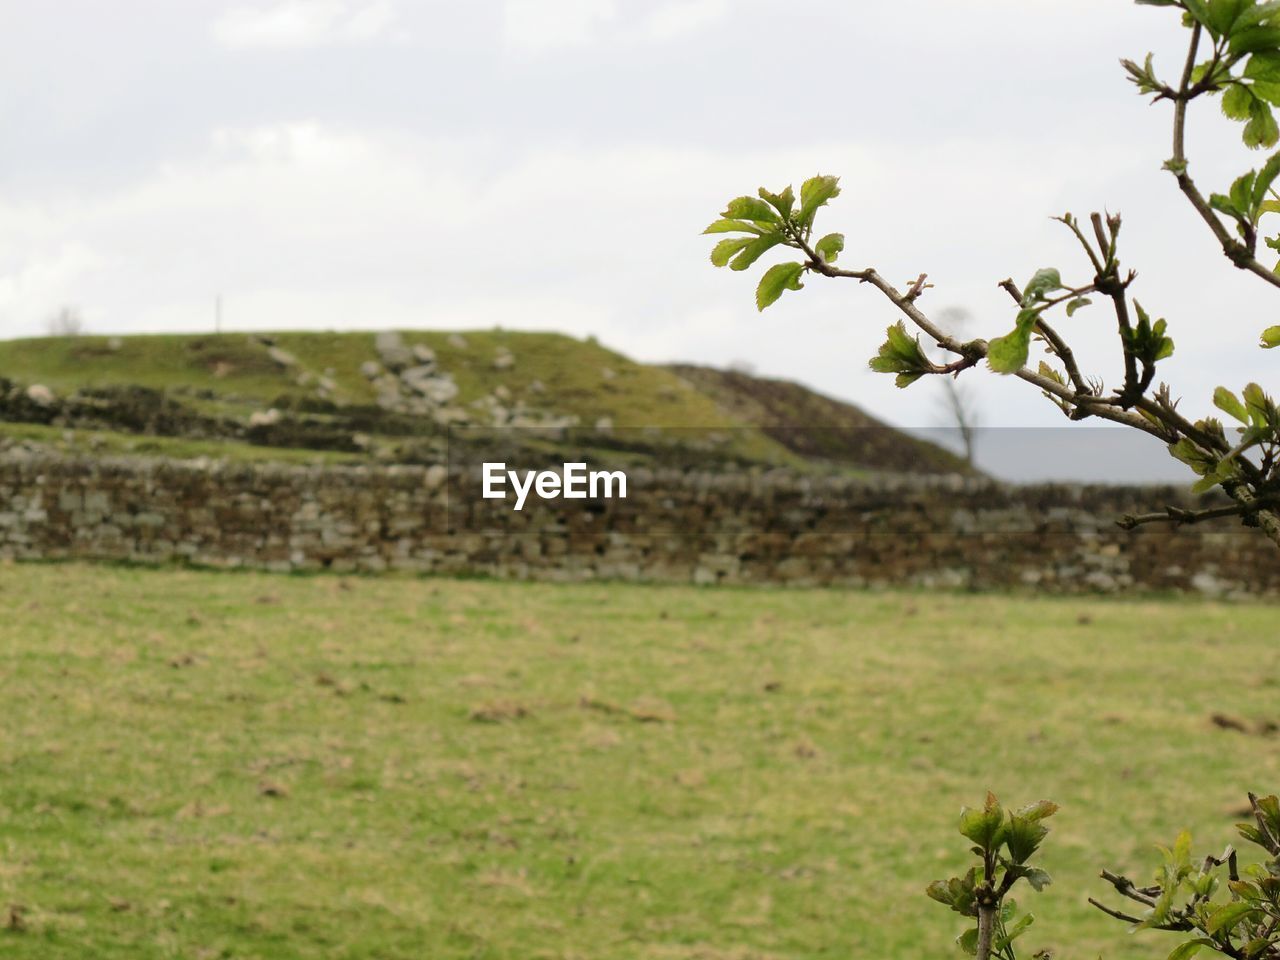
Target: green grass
column 481, row 770
column 109, row 443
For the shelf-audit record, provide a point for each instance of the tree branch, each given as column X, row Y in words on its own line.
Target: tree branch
column 1180, row 517
column 1097, row 407
column 1060, row 347
column 1238, row 253
column 1114, row 913
column 1268, row 519
column 1124, row 886
column 986, row 930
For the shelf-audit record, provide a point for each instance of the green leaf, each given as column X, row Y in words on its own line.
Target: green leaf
column 1257, row 403
column 984, row 827
column 1268, row 810
column 1147, row 341
column 968, row 941
column 1225, row 919
column 901, row 354
column 814, row 193
column 1271, row 338
column 1181, row 856
column 1143, row 77
column 1223, row 14
column 779, row 277
column 829, row 247
column 902, row 343
column 1251, row 833
column 1267, row 90
column 1242, row 192
column 1039, row 879
column 1205, row 484
column 1040, row 810
column 938, row 890
column 1262, row 184
column 1261, row 130
column 725, row 249
column 1264, row 67
column 733, row 226
column 1224, row 204
column 1230, row 404
column 1052, row 374
column 1023, row 837
column 1045, row 281
column 1256, row 14
column 1247, row 891
column 1008, row 354
column 1200, row 11
column 1255, row 40
column 957, row 893
column 1190, row 453
column 1077, row 304
column 749, row 208
column 754, row 250
column 782, row 202
column 1236, row 101
column 1201, row 70
column 1014, row 932
column 1189, row 949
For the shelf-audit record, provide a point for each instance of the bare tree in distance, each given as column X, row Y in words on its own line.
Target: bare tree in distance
column 959, row 401
column 65, row 322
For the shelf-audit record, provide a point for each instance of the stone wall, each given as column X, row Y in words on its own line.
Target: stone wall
column 751, row 527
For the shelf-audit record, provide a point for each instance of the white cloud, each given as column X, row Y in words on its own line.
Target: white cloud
column 304, row 23
column 46, row 281
column 541, row 26
column 680, row 18
column 538, row 26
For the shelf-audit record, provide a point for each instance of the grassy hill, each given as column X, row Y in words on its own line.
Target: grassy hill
column 392, row 397
column 816, row 427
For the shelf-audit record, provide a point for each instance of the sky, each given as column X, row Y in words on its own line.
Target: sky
column 550, row 164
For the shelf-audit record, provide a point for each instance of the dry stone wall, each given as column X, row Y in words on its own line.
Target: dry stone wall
column 732, row 528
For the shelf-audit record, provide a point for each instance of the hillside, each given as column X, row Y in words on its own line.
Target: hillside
column 814, row 426
column 397, row 396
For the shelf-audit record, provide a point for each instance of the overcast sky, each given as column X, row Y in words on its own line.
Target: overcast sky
column 549, row 165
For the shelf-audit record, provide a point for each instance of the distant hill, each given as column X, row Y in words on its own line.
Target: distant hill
column 395, row 396
column 817, row 427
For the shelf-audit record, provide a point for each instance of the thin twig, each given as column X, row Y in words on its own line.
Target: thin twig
column 1124, row 886
column 1114, row 913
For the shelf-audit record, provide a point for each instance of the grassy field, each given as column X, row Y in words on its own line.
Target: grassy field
column 205, row 765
